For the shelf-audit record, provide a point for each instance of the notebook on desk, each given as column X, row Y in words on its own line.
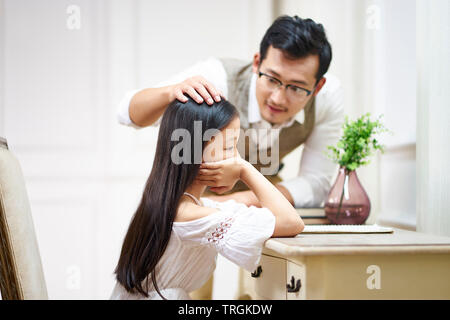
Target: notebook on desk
column 315, row 212
column 346, row 228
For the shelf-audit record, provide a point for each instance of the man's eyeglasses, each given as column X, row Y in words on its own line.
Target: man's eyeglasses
column 292, row 92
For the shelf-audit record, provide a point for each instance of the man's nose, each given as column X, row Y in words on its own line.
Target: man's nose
column 278, row 96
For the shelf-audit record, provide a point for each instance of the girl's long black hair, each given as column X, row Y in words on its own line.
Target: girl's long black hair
column 150, row 228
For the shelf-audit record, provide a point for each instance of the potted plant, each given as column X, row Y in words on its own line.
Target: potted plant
column 347, row 201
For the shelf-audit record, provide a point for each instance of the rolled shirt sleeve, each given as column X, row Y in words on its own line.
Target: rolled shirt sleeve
column 123, row 114
column 310, row 188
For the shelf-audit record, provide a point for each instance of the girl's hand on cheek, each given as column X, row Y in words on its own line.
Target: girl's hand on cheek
column 221, row 175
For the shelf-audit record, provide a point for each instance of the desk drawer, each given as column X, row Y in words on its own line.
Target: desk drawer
column 271, row 282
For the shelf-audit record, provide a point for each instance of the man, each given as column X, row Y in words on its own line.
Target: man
column 285, row 88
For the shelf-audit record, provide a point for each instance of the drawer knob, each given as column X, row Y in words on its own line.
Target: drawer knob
column 294, row 286
column 257, row 272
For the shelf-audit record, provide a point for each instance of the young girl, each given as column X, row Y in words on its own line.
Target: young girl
column 174, row 237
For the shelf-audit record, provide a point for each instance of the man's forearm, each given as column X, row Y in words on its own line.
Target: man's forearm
column 148, row 105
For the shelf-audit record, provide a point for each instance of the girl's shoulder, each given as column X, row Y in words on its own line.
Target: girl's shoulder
column 190, row 212
column 187, row 212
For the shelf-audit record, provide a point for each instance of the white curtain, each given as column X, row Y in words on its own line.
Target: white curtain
column 433, row 114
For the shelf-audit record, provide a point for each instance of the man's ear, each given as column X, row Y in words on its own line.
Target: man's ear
column 256, row 61
column 319, row 85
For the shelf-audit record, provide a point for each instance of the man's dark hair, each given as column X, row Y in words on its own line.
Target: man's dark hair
column 298, row 38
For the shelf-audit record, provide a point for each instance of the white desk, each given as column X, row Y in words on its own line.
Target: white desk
column 401, row 265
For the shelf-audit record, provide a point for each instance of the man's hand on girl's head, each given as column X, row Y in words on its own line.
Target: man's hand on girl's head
column 198, row 88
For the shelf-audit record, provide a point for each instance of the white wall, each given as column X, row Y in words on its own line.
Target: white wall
column 59, row 91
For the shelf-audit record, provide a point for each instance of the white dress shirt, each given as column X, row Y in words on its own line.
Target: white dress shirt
column 310, row 188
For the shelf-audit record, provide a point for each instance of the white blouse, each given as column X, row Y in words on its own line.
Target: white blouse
column 236, row 231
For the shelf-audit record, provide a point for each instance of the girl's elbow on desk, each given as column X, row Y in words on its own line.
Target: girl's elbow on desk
column 288, row 227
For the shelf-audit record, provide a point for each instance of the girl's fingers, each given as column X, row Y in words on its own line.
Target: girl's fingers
column 205, row 178
column 208, row 172
column 210, row 165
column 208, row 180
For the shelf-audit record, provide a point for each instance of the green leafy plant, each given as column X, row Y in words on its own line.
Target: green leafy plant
column 357, row 143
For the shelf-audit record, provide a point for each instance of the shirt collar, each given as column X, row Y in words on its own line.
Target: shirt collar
column 253, row 109
column 254, row 116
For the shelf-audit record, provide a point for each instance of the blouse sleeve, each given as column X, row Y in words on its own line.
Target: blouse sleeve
column 236, row 231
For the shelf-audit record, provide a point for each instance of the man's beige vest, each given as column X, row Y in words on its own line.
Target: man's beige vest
column 239, row 74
